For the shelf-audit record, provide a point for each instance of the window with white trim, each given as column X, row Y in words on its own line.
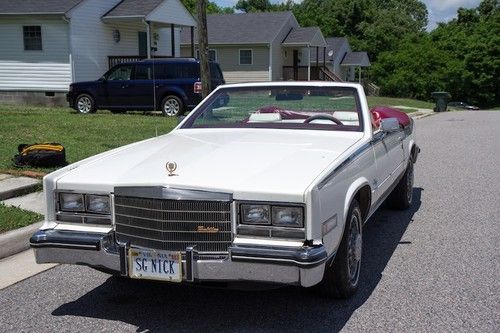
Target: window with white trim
column 32, row 36
column 246, row 57
column 212, row 55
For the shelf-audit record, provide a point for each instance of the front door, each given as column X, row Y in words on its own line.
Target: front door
column 296, row 65
column 143, row 43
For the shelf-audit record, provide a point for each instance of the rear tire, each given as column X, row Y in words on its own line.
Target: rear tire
column 402, row 195
column 341, row 277
column 85, row 103
column 172, row 106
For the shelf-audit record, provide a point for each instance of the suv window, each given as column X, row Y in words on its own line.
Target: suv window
column 122, row 72
column 143, row 72
column 170, row 71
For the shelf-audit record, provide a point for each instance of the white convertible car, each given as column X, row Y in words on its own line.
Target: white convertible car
column 266, row 182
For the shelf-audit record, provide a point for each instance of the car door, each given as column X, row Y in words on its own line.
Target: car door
column 117, row 87
column 389, row 156
column 143, row 87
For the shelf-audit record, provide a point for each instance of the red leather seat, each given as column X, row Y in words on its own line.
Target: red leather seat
column 382, row 112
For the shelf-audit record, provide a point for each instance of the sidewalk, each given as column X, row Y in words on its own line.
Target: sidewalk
column 17, row 261
column 18, row 192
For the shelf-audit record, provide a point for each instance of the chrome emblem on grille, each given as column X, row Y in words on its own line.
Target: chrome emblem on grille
column 171, row 167
column 202, row 228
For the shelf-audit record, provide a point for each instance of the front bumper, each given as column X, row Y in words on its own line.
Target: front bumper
column 302, row 266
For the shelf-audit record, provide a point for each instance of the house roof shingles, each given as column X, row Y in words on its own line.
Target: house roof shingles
column 333, row 44
column 133, row 8
column 37, row 6
column 356, row 59
column 307, row 36
column 250, row 28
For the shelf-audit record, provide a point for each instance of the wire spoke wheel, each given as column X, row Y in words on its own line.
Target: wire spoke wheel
column 354, row 249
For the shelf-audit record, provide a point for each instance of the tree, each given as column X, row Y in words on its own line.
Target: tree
column 460, row 56
column 371, row 25
column 212, row 7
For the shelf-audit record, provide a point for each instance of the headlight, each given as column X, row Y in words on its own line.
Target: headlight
column 279, row 216
column 98, row 204
column 255, row 214
column 72, row 202
column 288, row 216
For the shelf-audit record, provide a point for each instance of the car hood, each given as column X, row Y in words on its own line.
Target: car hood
column 250, row 164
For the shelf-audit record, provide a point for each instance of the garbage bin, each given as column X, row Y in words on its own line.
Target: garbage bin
column 442, row 98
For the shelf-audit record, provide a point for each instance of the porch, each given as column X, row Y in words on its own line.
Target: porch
column 297, row 54
column 156, row 24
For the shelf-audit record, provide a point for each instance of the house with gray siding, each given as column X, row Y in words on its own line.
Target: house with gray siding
column 46, row 45
column 254, row 47
column 341, row 60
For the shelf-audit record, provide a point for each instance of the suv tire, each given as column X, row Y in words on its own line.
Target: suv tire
column 172, row 106
column 85, row 103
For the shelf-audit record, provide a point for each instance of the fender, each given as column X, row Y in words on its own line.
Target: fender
column 351, row 192
column 165, row 90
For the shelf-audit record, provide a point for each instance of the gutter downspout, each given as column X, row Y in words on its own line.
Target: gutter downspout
column 70, row 46
column 148, row 37
column 270, row 61
column 308, row 62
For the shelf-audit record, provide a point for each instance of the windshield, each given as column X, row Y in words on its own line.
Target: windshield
column 290, row 107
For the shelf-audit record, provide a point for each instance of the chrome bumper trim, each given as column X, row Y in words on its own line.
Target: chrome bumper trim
column 292, row 266
column 301, row 257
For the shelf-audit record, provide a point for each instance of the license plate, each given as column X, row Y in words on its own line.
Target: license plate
column 155, row 265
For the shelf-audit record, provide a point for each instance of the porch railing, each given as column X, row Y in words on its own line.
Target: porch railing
column 115, row 60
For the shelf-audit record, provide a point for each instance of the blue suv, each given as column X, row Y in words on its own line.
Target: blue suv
column 170, row 85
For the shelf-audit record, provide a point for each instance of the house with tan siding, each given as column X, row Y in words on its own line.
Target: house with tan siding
column 252, row 47
column 46, row 45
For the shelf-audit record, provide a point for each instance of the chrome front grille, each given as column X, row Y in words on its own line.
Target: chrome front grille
column 173, row 225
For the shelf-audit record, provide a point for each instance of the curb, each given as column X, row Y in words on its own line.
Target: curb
column 16, row 241
column 420, row 115
column 18, row 191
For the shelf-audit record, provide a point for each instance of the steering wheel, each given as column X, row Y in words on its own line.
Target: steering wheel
column 323, row 116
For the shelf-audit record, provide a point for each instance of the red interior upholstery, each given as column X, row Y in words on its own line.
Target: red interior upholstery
column 382, row 112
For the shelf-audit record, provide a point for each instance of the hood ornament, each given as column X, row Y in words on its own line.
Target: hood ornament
column 171, row 167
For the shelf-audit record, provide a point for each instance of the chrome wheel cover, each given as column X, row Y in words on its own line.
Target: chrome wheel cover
column 171, row 107
column 84, row 104
column 354, row 249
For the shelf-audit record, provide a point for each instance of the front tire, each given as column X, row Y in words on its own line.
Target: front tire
column 341, row 277
column 172, row 106
column 85, row 103
column 402, row 195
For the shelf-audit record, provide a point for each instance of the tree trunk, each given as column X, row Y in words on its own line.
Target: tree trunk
column 201, row 9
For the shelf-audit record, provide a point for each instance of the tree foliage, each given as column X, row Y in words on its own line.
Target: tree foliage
column 460, row 57
column 212, row 7
column 371, row 25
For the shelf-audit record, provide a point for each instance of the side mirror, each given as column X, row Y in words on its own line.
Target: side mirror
column 389, row 125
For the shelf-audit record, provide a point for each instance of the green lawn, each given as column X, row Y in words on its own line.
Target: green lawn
column 87, row 135
column 82, row 135
column 13, row 218
column 389, row 101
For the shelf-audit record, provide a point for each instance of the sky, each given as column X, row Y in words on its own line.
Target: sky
column 439, row 10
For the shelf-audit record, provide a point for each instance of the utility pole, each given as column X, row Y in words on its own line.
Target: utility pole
column 201, row 10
